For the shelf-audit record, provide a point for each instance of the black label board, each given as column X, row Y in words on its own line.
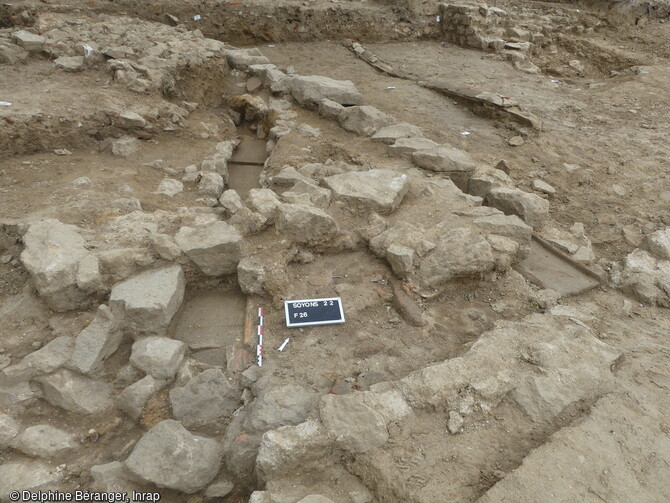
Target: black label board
column 301, row 313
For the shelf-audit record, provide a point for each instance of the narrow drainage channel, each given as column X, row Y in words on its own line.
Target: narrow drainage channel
column 211, row 323
column 246, row 164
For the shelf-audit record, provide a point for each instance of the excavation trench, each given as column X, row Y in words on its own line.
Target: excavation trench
column 217, row 321
column 250, row 22
column 246, row 164
column 214, row 323
column 210, row 323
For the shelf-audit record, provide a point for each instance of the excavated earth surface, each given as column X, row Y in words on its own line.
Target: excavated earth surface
column 485, row 186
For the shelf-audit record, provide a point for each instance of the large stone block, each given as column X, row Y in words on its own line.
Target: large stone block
column 76, row 393
column 457, row 164
column 376, row 190
column 215, row 249
column 364, row 120
column 509, row 226
column 9, row 428
column 29, row 41
column 44, row 441
column 352, row 424
column 305, row 224
column 159, row 357
column 132, row 399
column 45, row 360
column 394, row 132
column 310, row 90
column 531, row 208
column 70, row 64
column 241, row 59
column 149, row 300
column 169, row 456
column 285, row 405
column 206, row 397
column 97, row 342
column 52, row 254
column 211, row 184
column 460, row 253
column 658, row 243
column 265, row 202
column 405, row 147
column 287, row 449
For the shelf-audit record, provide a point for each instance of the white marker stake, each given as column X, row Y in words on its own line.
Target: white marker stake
column 281, row 348
column 259, row 346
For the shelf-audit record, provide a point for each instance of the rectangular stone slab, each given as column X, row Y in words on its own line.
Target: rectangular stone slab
column 547, row 267
column 211, row 320
column 251, row 150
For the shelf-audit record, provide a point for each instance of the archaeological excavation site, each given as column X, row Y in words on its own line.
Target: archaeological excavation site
column 335, row 251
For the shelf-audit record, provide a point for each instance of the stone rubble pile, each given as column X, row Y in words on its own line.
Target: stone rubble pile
column 126, row 53
column 362, row 426
column 142, row 56
column 573, row 242
column 645, row 272
column 516, row 36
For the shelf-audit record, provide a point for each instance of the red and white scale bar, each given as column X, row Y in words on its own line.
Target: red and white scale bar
column 259, row 346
